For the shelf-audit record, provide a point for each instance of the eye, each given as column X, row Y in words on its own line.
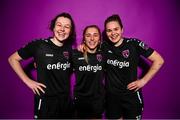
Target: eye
column 108, row 30
column 59, row 25
column 87, row 35
column 96, row 35
column 67, row 26
column 116, row 29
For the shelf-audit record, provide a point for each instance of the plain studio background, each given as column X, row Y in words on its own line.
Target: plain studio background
column 156, row 22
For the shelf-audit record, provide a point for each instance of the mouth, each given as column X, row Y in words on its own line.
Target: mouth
column 61, row 34
column 92, row 43
column 113, row 37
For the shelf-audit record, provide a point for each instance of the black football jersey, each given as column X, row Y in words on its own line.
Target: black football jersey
column 53, row 65
column 89, row 76
column 122, row 63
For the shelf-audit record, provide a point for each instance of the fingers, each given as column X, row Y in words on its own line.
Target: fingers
column 38, row 87
column 40, row 84
column 37, row 91
column 133, row 86
column 33, row 91
column 137, row 89
column 81, row 48
column 35, row 65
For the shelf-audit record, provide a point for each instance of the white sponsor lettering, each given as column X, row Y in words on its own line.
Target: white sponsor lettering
column 90, row 68
column 118, row 63
column 58, row 66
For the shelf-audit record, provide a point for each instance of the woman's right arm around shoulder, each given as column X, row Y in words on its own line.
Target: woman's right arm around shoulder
column 14, row 61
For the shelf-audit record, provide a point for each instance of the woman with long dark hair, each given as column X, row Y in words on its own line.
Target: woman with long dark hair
column 52, row 57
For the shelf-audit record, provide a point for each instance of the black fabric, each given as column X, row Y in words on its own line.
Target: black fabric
column 122, row 63
column 89, row 88
column 121, row 66
column 89, row 108
column 128, row 106
column 89, row 76
column 53, row 65
column 53, row 70
column 54, row 107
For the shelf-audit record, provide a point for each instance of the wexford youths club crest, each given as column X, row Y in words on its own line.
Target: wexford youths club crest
column 66, row 54
column 99, row 57
column 125, row 53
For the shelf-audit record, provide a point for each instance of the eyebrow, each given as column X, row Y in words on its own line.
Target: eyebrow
column 61, row 23
column 112, row 28
column 92, row 33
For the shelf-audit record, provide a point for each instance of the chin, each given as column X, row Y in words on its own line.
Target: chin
column 92, row 48
column 113, row 41
column 62, row 39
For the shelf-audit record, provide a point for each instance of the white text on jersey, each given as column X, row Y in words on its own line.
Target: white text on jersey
column 58, row 66
column 118, row 63
column 90, row 68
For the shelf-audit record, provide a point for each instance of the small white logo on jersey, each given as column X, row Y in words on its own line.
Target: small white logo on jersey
column 49, row 55
column 81, row 58
column 109, row 51
column 143, row 45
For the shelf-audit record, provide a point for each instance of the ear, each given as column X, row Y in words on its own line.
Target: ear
column 122, row 30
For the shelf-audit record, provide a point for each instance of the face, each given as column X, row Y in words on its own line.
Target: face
column 92, row 38
column 62, row 28
column 114, row 31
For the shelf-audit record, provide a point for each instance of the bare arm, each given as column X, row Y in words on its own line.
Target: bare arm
column 157, row 62
column 14, row 61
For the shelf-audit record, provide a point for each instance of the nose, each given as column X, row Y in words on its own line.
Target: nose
column 62, row 28
column 92, row 38
column 112, row 33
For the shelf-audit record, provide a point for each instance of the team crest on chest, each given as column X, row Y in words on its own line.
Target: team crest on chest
column 125, row 53
column 99, row 57
column 66, row 54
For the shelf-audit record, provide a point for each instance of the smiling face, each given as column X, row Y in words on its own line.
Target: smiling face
column 114, row 31
column 91, row 38
column 62, row 28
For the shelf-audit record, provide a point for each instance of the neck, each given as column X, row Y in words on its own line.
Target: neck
column 119, row 42
column 57, row 42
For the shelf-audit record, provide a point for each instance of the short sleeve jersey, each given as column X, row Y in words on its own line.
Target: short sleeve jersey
column 53, row 65
column 89, row 76
column 122, row 63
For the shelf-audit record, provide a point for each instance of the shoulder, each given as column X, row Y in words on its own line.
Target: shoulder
column 132, row 40
column 76, row 52
column 135, row 42
column 39, row 41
